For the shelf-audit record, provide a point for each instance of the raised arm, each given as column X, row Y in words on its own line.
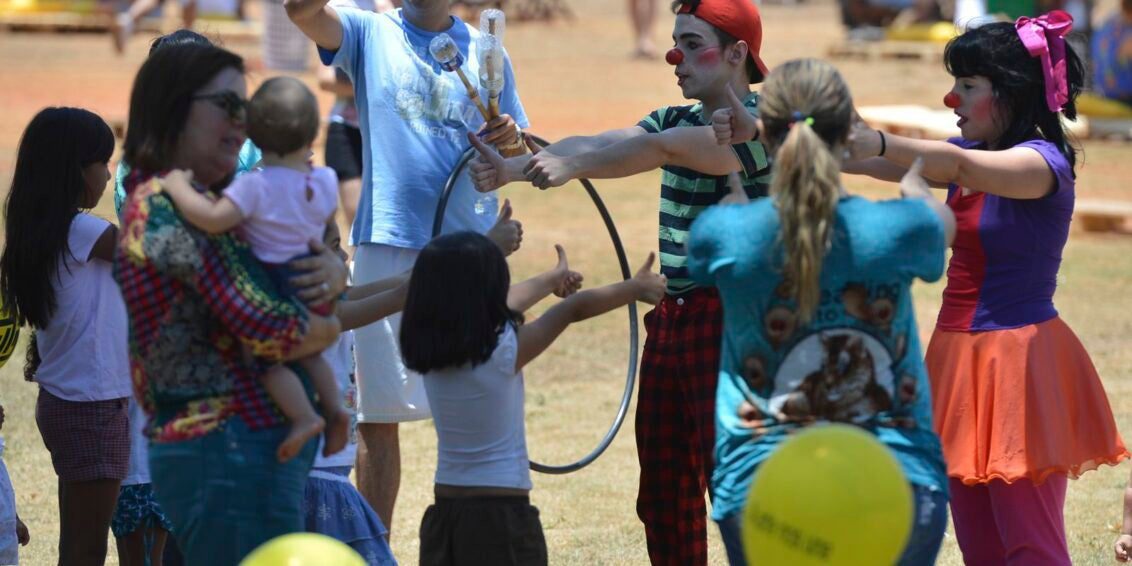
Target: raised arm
column 317, row 20
column 211, row 216
column 536, row 336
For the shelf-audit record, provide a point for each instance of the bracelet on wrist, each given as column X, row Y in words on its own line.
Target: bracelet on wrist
column 883, row 144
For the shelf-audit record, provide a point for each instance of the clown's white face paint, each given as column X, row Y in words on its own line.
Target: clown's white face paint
column 701, row 68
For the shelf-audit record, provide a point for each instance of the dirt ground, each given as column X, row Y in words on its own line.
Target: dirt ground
column 578, row 77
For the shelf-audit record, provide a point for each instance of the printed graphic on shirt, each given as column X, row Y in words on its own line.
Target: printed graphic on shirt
column 432, row 104
column 843, row 372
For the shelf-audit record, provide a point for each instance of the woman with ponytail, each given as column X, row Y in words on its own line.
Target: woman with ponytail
column 819, row 324
column 1017, row 402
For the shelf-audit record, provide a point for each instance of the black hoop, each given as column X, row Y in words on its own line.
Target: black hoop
column 631, row 374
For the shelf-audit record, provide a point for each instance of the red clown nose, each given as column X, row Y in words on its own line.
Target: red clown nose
column 951, row 100
column 674, row 56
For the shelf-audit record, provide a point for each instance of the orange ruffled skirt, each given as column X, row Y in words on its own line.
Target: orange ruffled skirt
column 1018, row 404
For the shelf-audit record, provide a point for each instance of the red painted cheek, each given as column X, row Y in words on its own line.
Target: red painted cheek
column 951, row 100
column 983, row 110
column 709, row 57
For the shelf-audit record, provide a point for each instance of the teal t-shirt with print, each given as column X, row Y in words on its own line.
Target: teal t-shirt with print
column 857, row 360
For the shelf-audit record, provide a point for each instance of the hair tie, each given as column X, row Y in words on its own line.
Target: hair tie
column 797, row 116
column 1044, row 37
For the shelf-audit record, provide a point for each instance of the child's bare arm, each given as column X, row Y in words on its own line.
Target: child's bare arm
column 211, row 216
column 380, row 286
column 536, row 336
column 374, row 306
column 559, row 280
column 1124, row 542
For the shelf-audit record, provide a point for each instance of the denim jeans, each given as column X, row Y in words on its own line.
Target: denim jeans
column 226, row 493
column 929, row 523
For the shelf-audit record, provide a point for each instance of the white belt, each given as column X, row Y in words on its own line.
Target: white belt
column 319, row 474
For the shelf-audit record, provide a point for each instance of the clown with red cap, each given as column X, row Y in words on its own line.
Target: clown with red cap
column 716, row 57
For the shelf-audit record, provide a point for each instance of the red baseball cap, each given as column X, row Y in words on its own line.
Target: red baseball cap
column 740, row 18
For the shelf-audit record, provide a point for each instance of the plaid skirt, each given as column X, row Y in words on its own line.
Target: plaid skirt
column 88, row 440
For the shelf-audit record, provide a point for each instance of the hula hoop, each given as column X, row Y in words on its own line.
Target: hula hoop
column 631, row 374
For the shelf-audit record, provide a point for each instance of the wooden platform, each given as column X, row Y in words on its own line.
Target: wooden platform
column 887, row 49
column 227, row 30
column 1110, row 128
column 916, row 121
column 1102, row 215
column 54, row 21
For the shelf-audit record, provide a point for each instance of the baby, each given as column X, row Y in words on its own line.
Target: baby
column 280, row 209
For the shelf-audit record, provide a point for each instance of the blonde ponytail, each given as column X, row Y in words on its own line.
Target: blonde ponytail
column 805, row 190
column 805, row 108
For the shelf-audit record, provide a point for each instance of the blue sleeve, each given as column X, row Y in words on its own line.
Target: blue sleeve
column 509, row 101
column 350, row 55
column 917, row 246
column 249, row 157
column 120, row 175
column 707, row 253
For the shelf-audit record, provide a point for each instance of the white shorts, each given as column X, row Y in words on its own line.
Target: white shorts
column 387, row 391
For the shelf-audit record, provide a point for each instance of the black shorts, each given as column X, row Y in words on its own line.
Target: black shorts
column 482, row 530
column 344, row 150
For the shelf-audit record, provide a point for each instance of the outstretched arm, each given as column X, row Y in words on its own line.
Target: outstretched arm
column 373, row 306
column 693, row 148
column 536, row 336
column 560, row 280
column 1018, row 172
column 913, row 185
column 211, row 216
column 490, row 171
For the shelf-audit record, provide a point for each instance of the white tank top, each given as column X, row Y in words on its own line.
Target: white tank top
column 478, row 412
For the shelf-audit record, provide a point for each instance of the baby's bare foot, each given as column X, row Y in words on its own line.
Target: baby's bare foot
column 301, row 432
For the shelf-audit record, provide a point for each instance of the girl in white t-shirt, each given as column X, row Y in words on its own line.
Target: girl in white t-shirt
column 55, row 275
column 281, row 209
column 462, row 329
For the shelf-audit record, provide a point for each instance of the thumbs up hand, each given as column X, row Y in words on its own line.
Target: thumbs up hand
column 734, row 124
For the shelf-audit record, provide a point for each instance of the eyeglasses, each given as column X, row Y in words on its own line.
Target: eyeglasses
column 227, row 101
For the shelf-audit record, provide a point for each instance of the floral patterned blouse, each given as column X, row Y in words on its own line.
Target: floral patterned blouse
column 195, row 301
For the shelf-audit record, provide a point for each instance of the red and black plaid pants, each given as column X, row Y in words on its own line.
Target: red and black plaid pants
column 676, row 424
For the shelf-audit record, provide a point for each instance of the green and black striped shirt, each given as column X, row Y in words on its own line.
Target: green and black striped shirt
column 685, row 193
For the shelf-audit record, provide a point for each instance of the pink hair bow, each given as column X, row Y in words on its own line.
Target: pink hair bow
column 1044, row 36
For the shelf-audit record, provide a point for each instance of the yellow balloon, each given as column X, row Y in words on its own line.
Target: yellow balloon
column 9, row 333
column 831, row 495
column 303, row 549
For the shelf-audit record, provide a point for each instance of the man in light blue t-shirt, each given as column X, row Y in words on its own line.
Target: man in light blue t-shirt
column 414, row 119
